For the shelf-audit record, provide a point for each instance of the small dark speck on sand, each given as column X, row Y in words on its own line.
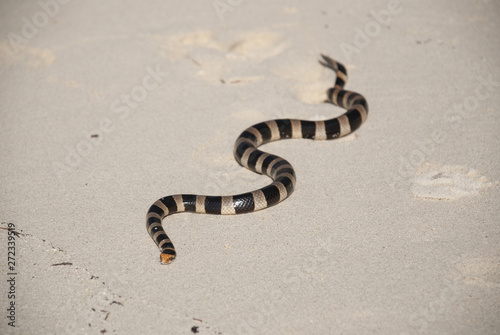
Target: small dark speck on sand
column 63, row 263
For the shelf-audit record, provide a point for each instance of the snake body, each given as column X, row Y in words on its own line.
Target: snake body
column 277, row 168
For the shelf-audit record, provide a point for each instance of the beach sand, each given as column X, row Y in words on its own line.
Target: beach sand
column 108, row 106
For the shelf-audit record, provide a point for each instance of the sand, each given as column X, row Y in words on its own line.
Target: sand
column 108, row 106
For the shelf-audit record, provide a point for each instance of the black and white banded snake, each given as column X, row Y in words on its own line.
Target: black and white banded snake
column 277, row 168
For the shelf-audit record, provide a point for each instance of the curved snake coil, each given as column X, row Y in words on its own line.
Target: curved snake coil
column 247, row 155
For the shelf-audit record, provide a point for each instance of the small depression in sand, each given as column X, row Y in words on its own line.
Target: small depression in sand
column 447, row 182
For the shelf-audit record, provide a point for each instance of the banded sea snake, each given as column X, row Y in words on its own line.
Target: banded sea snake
column 277, row 168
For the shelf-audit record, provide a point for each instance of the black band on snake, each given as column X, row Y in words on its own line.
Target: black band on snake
column 277, row 168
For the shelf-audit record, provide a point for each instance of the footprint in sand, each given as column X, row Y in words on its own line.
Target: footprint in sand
column 230, row 58
column 219, row 56
column 446, row 182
